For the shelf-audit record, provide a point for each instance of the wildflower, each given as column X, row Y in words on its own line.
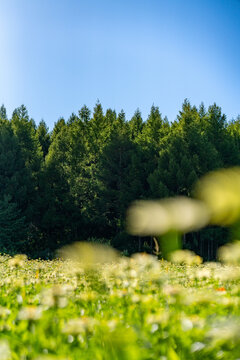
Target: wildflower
column 154, row 328
column 80, row 325
column 185, row 257
column 5, row 352
column 19, row 298
column 200, row 298
column 30, row 313
column 89, row 255
column 158, row 318
column 222, row 289
column 144, row 261
column 112, row 324
column 4, row 312
column 168, row 218
column 159, row 217
column 203, row 273
column 197, row 346
column 135, row 298
column 55, row 296
column 172, row 290
column 230, row 253
column 17, row 261
column 220, row 191
column 227, row 273
column 70, row 339
column 225, row 331
column 186, row 324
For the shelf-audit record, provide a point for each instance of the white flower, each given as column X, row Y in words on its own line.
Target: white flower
column 159, row 217
column 228, row 330
column 186, row 324
column 80, row 325
column 220, row 191
column 185, row 257
column 30, row 313
column 5, row 352
column 197, row 346
column 230, row 253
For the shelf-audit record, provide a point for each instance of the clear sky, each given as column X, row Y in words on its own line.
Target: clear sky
column 57, row 55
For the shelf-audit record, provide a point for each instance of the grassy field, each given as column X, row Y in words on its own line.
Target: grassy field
column 126, row 308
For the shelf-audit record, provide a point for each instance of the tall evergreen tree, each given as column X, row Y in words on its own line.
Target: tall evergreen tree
column 25, row 131
column 155, row 128
column 43, row 137
column 3, row 113
column 216, row 130
column 136, row 125
column 233, row 129
column 14, row 176
column 14, row 181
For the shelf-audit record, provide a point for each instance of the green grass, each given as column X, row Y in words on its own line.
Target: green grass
column 134, row 308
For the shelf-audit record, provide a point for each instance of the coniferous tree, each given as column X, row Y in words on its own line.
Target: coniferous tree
column 59, row 204
column 233, row 129
column 155, row 128
column 136, row 125
column 25, row 130
column 216, row 130
column 3, row 113
column 14, row 176
column 43, row 137
column 78, row 181
column 14, row 180
column 187, row 153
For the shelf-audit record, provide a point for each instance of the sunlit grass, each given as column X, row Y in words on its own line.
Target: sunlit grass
column 128, row 308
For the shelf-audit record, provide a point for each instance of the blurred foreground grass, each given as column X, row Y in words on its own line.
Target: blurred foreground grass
column 127, row 308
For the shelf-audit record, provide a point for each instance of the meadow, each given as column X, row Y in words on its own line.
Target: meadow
column 99, row 305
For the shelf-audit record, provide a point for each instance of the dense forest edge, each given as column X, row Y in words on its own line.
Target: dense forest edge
column 76, row 182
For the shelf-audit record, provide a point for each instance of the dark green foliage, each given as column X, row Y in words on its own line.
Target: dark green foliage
column 120, row 180
column 136, row 126
column 58, row 206
column 13, row 229
column 43, row 137
column 155, row 128
column 77, row 182
column 14, row 180
column 216, row 131
column 14, row 177
column 186, row 153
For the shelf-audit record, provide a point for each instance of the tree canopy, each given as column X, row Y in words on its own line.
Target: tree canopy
column 77, row 181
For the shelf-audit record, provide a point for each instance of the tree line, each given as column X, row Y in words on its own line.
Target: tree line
column 77, row 181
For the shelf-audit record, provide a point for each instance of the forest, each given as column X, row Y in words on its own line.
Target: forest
column 76, row 182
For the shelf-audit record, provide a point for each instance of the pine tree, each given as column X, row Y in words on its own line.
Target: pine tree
column 216, row 131
column 3, row 113
column 155, row 128
column 14, row 176
column 43, row 137
column 14, row 181
column 136, row 125
column 25, row 130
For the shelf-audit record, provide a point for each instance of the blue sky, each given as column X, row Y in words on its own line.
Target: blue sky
column 57, row 55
